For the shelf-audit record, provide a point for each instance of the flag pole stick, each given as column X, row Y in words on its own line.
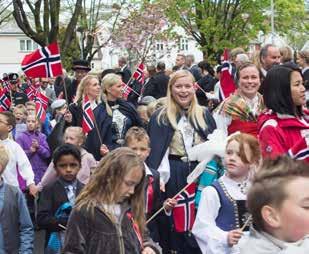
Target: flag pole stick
column 157, row 212
column 97, row 130
column 246, row 223
column 65, row 90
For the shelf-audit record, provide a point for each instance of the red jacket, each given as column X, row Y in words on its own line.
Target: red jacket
column 284, row 134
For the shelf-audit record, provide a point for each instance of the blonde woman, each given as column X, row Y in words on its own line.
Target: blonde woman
column 180, row 124
column 114, row 116
column 109, row 215
column 89, row 86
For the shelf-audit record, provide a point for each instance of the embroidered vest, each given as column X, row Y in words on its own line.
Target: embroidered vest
column 232, row 213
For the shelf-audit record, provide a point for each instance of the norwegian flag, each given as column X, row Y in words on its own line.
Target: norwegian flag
column 88, row 116
column 139, row 74
column 40, row 111
column 184, row 211
column 227, row 84
column 43, row 99
column 126, row 90
column 6, row 86
column 31, row 92
column 5, row 102
column 43, row 63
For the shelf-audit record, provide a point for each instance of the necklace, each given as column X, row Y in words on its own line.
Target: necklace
column 243, row 186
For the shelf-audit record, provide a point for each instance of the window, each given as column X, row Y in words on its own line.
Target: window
column 159, row 46
column 26, row 45
column 183, row 44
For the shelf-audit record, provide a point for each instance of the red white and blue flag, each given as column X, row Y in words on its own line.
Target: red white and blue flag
column 184, row 211
column 5, row 102
column 88, row 116
column 139, row 74
column 43, row 99
column 126, row 90
column 39, row 109
column 43, row 63
column 31, row 92
column 227, row 83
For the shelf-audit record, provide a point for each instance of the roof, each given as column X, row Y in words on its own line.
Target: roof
column 10, row 27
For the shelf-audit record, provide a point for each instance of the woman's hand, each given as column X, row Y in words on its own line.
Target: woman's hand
column 148, row 250
column 103, row 150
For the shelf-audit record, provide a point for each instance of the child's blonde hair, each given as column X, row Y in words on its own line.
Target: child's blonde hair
column 78, row 132
column 4, row 156
column 21, row 108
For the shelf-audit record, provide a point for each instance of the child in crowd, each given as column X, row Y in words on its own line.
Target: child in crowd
column 34, row 143
column 30, row 107
column 222, row 210
column 111, row 205
column 20, row 114
column 18, row 158
column 281, row 212
column 16, row 230
column 73, row 136
column 138, row 140
column 57, row 199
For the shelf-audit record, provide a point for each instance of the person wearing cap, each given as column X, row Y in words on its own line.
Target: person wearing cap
column 15, row 94
column 62, row 119
column 80, row 68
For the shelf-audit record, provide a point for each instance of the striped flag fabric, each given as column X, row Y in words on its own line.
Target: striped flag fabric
column 227, row 83
column 44, row 62
column 126, row 90
column 88, row 116
column 139, row 74
column 5, row 102
column 40, row 111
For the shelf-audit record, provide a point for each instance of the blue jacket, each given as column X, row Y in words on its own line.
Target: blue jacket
column 16, row 229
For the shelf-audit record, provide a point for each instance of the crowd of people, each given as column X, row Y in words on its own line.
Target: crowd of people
column 171, row 167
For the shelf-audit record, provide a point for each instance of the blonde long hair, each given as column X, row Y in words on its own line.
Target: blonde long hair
column 171, row 110
column 80, row 93
column 102, row 189
column 108, row 81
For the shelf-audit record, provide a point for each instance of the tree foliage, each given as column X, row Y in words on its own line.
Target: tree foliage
column 144, row 24
column 230, row 23
column 42, row 23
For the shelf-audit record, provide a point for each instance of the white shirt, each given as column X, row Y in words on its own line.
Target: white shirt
column 211, row 239
column 17, row 158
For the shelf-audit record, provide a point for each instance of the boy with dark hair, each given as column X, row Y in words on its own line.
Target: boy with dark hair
column 281, row 212
column 16, row 230
column 57, row 199
column 18, row 158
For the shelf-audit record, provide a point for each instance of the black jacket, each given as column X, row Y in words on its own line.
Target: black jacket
column 51, row 198
column 157, row 86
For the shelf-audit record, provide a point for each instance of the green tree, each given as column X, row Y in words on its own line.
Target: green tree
column 42, row 22
column 230, row 23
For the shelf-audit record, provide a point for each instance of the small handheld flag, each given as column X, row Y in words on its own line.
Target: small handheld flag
column 88, row 116
column 139, row 74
